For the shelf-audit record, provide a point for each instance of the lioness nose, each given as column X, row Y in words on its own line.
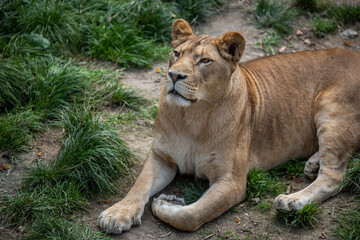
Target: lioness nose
column 176, row 77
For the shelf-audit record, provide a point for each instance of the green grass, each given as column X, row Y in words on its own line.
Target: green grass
column 131, row 116
column 191, row 189
column 344, row 13
column 34, row 90
column 131, row 33
column 89, row 164
column 122, row 44
column 308, row 217
column 352, row 178
column 127, row 97
column 261, row 184
column 189, row 9
column 349, row 220
column 322, row 26
column 269, row 42
column 332, row 14
column 92, row 156
column 194, row 190
column 27, row 206
column 274, row 14
column 310, row 5
column 53, row 20
column 294, row 167
column 47, row 84
column 264, row 206
column 62, row 229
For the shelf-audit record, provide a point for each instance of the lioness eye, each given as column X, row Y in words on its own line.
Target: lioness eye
column 177, row 54
column 205, row 60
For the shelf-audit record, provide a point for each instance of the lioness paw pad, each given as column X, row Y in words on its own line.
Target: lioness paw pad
column 290, row 203
column 118, row 219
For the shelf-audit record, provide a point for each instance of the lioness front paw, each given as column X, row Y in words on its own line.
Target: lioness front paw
column 165, row 207
column 167, row 202
column 121, row 217
column 290, row 202
column 173, row 211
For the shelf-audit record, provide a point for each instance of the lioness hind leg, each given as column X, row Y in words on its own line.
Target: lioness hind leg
column 338, row 131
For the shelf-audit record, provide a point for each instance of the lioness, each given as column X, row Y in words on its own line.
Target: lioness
column 218, row 119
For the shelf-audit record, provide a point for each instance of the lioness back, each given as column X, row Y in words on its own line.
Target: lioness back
column 285, row 88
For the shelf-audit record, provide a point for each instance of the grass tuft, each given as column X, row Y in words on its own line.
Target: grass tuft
column 294, row 167
column 260, row 184
column 62, row 229
column 269, row 42
column 322, row 26
column 349, row 222
column 127, row 97
column 352, row 178
column 344, row 13
column 26, row 206
column 91, row 160
column 47, row 84
column 310, row 5
column 192, row 189
column 274, row 14
column 189, row 9
column 308, row 217
column 18, row 129
column 92, row 156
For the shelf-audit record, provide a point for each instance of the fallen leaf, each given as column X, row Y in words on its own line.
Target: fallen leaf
column 322, row 236
column 150, row 236
column 242, row 205
column 107, row 201
column 348, row 43
column 21, row 229
column 288, row 190
column 299, row 32
column 208, row 236
column 158, row 70
column 293, row 187
column 282, row 49
column 5, row 167
column 307, row 41
column 165, row 235
column 289, row 37
column 296, row 180
column 237, row 220
column 39, row 154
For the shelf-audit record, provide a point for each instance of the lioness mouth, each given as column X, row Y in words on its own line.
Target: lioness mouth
column 178, row 94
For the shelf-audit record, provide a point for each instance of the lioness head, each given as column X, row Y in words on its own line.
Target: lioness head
column 200, row 66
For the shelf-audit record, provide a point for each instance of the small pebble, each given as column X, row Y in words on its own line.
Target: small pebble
column 349, row 33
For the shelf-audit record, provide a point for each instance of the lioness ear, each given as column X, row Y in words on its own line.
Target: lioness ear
column 231, row 46
column 181, row 31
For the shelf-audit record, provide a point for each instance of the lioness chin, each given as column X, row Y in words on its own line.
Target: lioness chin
column 218, row 119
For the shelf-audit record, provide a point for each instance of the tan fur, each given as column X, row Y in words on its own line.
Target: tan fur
column 230, row 118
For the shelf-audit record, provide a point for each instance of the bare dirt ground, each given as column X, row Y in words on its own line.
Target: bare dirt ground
column 253, row 223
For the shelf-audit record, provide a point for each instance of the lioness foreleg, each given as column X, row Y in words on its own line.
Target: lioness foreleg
column 221, row 196
column 154, row 177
